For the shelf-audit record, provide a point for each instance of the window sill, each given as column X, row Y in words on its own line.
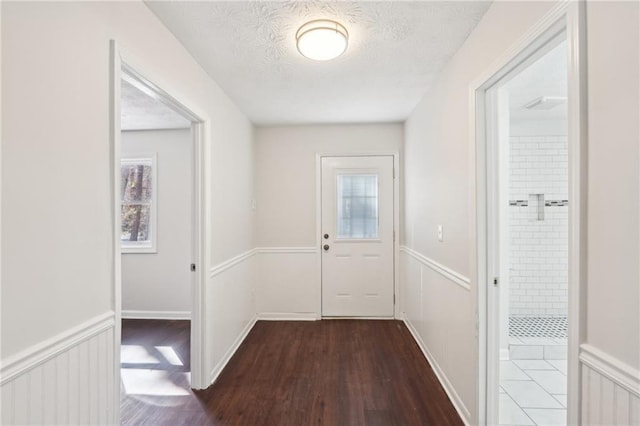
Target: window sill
column 138, row 250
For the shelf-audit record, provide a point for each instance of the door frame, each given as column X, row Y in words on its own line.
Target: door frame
column 122, row 63
column 567, row 16
column 396, row 224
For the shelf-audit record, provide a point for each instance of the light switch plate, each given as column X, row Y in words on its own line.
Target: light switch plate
column 440, row 237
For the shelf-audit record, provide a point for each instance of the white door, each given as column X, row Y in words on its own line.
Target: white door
column 357, row 236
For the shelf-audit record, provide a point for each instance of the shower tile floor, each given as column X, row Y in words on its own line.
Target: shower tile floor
column 534, row 391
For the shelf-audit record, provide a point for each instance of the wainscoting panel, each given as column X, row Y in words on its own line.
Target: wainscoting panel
column 610, row 390
column 437, row 308
column 287, row 283
column 69, row 379
column 230, row 312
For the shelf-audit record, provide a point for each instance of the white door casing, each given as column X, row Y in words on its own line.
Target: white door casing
column 566, row 18
column 357, row 226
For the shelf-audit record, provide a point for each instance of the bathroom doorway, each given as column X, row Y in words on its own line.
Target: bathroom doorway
column 533, row 241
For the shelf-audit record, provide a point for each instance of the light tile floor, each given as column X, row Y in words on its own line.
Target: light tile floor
column 533, row 392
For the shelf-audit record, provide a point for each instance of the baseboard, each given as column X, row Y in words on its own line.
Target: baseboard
column 288, row 316
column 215, row 372
column 156, row 315
column 42, row 352
column 389, row 318
column 462, row 410
column 610, row 367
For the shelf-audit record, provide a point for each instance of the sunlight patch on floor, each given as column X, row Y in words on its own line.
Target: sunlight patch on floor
column 136, row 354
column 169, row 355
column 154, row 382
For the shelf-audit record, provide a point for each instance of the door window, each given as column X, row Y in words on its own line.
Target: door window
column 357, row 202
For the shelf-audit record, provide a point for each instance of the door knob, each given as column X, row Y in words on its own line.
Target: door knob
column 326, row 247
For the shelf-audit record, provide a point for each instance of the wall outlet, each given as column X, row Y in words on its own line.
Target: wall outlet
column 440, row 237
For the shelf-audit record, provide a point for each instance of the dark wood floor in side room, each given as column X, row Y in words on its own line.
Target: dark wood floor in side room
column 333, row 372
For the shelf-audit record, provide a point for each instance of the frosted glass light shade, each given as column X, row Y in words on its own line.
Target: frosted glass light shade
column 322, row 40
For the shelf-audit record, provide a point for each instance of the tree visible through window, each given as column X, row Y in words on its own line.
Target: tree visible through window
column 137, row 197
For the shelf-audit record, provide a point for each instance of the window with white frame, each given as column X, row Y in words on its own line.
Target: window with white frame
column 138, row 203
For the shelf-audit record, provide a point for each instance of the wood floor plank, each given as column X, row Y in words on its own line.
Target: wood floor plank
column 331, row 372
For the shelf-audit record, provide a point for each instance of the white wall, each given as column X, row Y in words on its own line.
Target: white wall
column 287, row 274
column 56, row 204
column 437, row 173
column 530, row 127
column 159, row 284
column 613, row 288
column 437, row 164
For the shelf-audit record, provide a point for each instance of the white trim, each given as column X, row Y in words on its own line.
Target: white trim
column 446, row 272
column 286, row 250
column 397, row 309
column 201, row 240
column 38, row 354
column 115, row 149
column 338, row 317
column 230, row 263
column 455, row 399
column 610, row 367
column 156, row 315
column 288, row 316
column 578, row 208
column 215, row 372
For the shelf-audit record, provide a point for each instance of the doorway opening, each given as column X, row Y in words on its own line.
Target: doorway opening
column 156, row 242
column 530, row 163
column 148, row 166
column 533, row 240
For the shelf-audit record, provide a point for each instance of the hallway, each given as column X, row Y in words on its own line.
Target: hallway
column 287, row 373
column 412, row 80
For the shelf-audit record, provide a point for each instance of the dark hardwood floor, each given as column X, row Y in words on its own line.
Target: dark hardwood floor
column 333, row 372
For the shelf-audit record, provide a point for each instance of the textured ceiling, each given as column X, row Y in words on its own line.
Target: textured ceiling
column 395, row 51
column 545, row 77
column 139, row 111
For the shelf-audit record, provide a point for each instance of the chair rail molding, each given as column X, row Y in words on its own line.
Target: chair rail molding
column 23, row 361
column 610, row 367
column 230, row 263
column 446, row 272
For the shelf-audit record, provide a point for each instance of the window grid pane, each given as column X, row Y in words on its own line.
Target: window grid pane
column 357, row 202
column 135, row 223
column 136, row 181
column 136, row 194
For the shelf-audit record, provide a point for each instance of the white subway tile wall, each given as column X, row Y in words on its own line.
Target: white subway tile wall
column 539, row 242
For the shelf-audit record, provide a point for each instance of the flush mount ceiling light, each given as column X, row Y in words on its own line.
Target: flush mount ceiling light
column 322, row 40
